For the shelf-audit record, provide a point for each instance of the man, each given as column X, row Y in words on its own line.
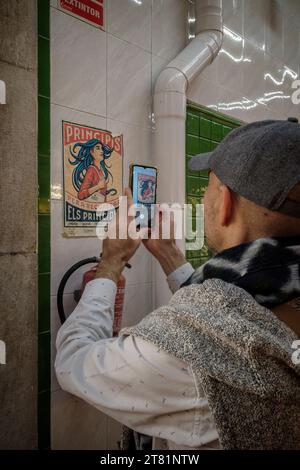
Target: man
column 213, row 368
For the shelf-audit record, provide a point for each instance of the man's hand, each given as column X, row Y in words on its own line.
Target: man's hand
column 165, row 251
column 117, row 252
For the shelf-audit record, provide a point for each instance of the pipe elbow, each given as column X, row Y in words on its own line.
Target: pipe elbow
column 171, row 79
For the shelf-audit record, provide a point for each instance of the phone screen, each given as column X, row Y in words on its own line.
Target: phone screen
column 144, row 181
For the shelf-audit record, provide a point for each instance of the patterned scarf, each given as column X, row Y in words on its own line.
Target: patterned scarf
column 267, row 268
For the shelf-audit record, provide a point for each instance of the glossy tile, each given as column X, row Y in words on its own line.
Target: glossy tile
column 128, row 83
column 67, row 251
column 169, row 27
column 78, row 64
column 69, row 305
column 131, row 21
column 255, row 20
column 233, row 16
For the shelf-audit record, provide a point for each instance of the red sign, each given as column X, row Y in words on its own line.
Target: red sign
column 90, row 11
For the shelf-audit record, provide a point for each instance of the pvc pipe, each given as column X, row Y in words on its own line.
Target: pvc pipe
column 170, row 114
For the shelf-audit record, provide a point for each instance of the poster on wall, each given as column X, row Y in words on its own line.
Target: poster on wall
column 90, row 11
column 92, row 176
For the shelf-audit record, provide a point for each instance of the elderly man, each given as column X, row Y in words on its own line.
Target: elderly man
column 214, row 368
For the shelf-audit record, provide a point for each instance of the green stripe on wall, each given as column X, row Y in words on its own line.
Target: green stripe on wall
column 44, row 349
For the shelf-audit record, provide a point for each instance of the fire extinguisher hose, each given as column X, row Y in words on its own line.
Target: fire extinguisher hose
column 63, row 282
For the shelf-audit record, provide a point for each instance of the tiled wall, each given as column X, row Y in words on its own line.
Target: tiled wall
column 105, row 79
column 204, row 131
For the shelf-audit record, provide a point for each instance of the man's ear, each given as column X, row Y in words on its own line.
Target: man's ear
column 226, row 205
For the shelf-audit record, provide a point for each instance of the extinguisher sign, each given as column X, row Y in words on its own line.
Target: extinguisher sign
column 90, row 11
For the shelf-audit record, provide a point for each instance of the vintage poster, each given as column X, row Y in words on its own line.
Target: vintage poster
column 90, row 11
column 92, row 176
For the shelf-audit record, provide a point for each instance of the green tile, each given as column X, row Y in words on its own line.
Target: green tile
column 196, row 262
column 196, row 186
column 44, row 356
column 43, row 66
column 226, row 130
column 44, row 302
column 204, row 145
column 44, row 419
column 190, row 254
column 213, row 145
column 44, row 126
column 44, row 184
column 192, row 124
column 188, row 171
column 43, row 17
column 216, row 132
column 193, row 201
column 205, row 128
column 44, row 244
column 192, row 145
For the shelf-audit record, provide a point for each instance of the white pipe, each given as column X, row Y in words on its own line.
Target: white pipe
column 170, row 113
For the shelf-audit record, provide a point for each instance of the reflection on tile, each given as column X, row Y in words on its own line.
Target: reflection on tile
column 169, row 28
column 233, row 11
column 253, row 72
column 203, row 92
column 256, row 18
column 78, row 67
column 75, row 424
column 128, row 83
column 131, row 21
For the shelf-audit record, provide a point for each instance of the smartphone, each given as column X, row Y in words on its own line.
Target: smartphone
column 143, row 184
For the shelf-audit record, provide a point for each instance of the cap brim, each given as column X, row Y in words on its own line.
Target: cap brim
column 200, row 162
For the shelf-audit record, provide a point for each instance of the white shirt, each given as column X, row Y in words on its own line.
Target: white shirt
column 127, row 377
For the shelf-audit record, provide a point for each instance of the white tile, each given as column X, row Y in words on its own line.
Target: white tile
column 274, row 32
column 137, row 144
column 275, row 77
column 233, row 16
column 53, row 3
column 169, row 27
column 69, row 305
column 130, row 21
column 231, row 62
column 78, row 64
column 75, row 425
column 253, row 72
column 158, row 64
column 59, row 114
column 138, row 303
column 65, row 252
column 255, row 19
column 128, row 83
column 291, row 45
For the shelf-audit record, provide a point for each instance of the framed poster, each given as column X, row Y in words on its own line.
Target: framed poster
column 92, row 176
